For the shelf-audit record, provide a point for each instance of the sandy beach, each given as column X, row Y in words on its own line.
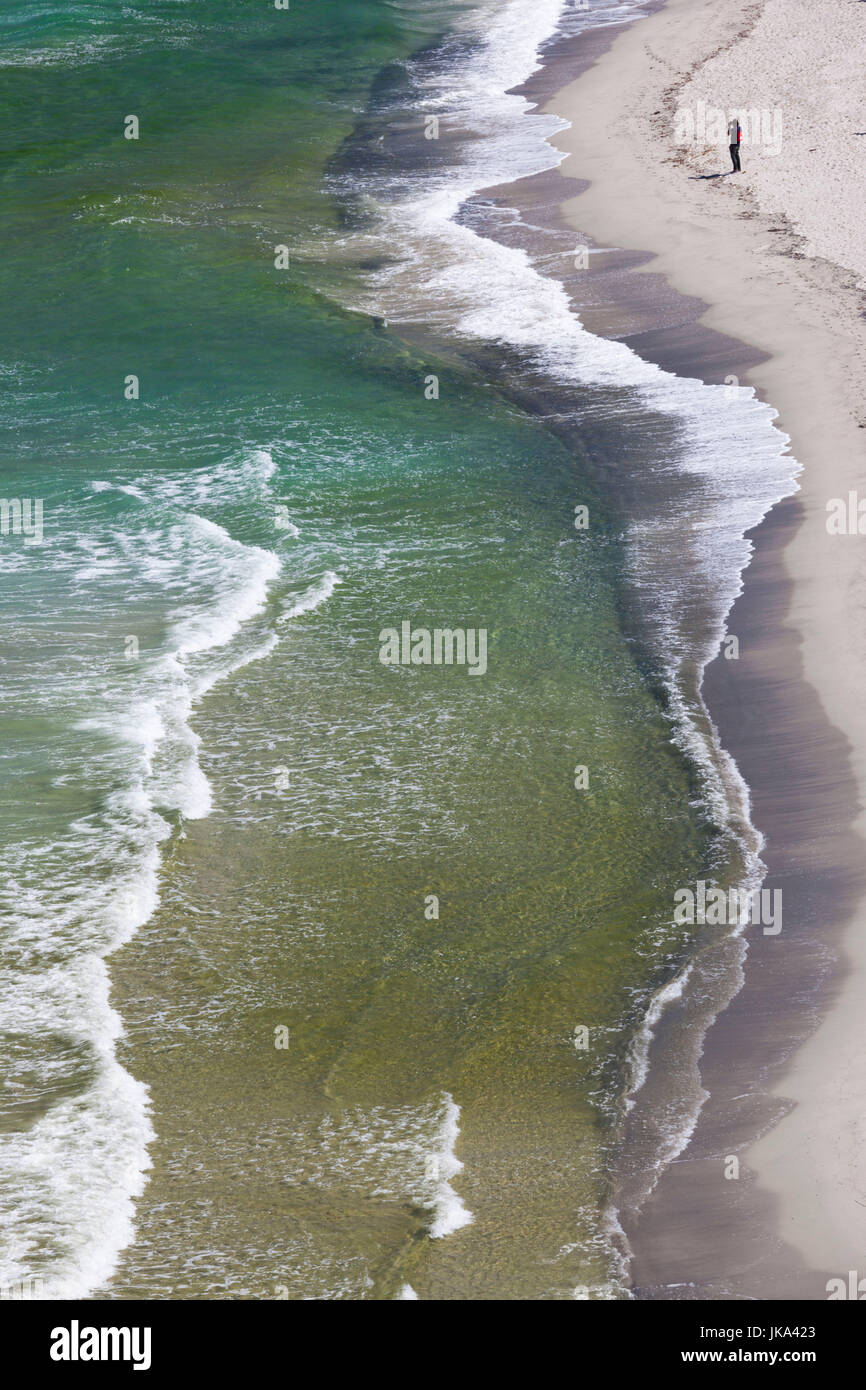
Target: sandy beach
column 768, row 268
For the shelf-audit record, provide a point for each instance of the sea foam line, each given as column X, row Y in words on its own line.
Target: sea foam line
column 313, row 597
column 70, row 1180
column 450, row 1211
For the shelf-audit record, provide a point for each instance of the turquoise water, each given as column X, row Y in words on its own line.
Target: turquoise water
column 205, row 761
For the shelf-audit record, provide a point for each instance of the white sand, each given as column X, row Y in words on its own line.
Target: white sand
column 779, row 255
column 802, row 67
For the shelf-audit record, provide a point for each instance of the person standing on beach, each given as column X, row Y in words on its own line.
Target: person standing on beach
column 734, row 136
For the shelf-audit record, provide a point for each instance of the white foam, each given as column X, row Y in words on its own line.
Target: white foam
column 250, row 571
column 69, row 1181
column 70, row 1178
column 79, row 1169
column 642, row 1042
column 127, row 488
column 313, row 597
column 450, row 1210
column 405, row 1154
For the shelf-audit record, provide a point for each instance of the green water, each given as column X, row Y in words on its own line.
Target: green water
column 304, row 907
column 344, row 792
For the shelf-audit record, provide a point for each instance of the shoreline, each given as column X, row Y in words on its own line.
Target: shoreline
column 666, row 327
column 786, row 711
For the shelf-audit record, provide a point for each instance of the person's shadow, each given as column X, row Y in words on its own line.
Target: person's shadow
column 723, row 175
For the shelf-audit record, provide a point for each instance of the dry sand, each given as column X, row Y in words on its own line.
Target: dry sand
column 777, row 255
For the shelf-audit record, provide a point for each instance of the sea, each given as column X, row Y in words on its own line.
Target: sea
column 323, row 976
